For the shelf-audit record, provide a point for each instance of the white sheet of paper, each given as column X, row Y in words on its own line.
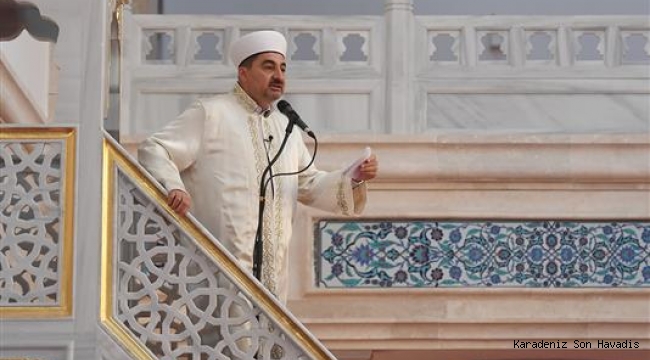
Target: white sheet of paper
column 353, row 169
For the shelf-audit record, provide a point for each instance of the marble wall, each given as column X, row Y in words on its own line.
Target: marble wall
column 556, row 113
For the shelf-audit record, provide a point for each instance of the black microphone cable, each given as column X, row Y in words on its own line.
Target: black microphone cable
column 258, row 247
column 313, row 157
column 267, row 149
column 294, row 119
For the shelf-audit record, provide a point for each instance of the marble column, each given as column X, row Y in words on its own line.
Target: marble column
column 400, row 68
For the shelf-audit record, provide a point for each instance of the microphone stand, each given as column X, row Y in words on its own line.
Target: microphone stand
column 258, row 249
column 259, row 246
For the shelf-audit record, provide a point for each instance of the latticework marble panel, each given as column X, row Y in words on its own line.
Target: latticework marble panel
column 201, row 42
column 31, row 239
column 526, row 41
column 175, row 299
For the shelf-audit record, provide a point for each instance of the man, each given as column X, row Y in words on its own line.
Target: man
column 212, row 156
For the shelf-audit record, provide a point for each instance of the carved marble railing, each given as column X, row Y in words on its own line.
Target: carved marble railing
column 171, row 291
column 37, row 167
column 403, row 73
column 170, row 60
column 585, row 74
column 536, row 41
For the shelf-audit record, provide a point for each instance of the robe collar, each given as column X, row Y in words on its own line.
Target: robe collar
column 249, row 104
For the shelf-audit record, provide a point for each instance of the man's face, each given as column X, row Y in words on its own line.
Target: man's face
column 264, row 80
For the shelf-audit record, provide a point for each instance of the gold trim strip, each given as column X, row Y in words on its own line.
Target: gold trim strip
column 112, row 159
column 35, row 133
column 124, row 337
column 69, row 137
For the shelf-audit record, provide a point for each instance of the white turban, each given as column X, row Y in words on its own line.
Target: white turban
column 255, row 43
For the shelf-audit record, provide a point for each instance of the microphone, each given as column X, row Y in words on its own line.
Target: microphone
column 293, row 116
column 294, row 119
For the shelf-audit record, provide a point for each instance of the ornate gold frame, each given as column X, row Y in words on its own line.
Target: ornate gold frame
column 69, row 137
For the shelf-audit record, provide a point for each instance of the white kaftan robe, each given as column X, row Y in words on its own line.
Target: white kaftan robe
column 215, row 150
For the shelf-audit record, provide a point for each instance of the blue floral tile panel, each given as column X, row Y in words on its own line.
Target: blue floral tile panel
column 454, row 254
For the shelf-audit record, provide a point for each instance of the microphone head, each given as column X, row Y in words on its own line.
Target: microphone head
column 284, row 107
column 294, row 118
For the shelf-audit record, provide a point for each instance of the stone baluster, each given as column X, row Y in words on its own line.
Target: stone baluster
column 613, row 48
column 399, row 66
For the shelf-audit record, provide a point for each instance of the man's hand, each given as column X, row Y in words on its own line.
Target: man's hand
column 368, row 169
column 179, row 201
